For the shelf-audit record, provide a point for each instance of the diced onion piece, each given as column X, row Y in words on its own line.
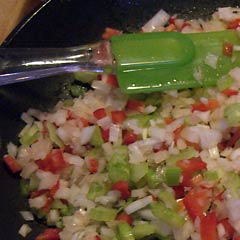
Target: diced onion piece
column 228, row 14
column 73, row 159
column 38, row 202
column 86, row 135
column 53, row 216
column 12, row 149
column 47, row 179
column 27, row 216
column 104, row 123
column 214, row 152
column 137, row 205
column 24, row 230
column 157, row 22
column 115, row 133
column 27, row 118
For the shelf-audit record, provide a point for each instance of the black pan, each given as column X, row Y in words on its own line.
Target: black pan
column 64, row 23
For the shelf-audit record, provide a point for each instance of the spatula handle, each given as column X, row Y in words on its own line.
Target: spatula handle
column 18, row 65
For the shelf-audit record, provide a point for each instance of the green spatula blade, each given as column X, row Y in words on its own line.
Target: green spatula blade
column 158, row 61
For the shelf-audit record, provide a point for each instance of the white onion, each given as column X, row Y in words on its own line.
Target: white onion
column 175, row 125
column 203, row 116
column 47, row 179
column 24, row 230
column 36, row 113
column 104, row 123
column 157, row 22
column 228, row 14
column 211, row 60
column 101, row 86
column 12, row 149
column 28, row 169
column 27, row 216
column 214, row 152
column 73, row 159
column 139, row 193
column 41, row 148
column 221, row 231
column 59, row 117
column 138, row 204
column 86, row 134
column 157, row 132
column 147, row 214
column 235, row 74
column 150, row 109
column 38, row 202
column 53, row 216
column 115, row 133
column 111, row 197
column 27, row 118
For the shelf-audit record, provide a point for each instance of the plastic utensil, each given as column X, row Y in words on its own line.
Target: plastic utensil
column 143, row 62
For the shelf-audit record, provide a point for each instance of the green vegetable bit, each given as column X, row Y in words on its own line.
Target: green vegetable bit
column 224, row 83
column 172, row 175
column 154, row 178
column 118, row 171
column 167, row 215
column 103, row 214
column 24, row 187
column 29, row 135
column 138, row 171
column 168, row 199
column 232, row 114
column 96, row 190
column 53, row 135
column 96, row 139
column 142, row 230
column 125, row 232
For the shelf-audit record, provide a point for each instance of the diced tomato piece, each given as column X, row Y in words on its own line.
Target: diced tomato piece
column 109, row 32
column 112, row 80
column 129, row 137
column 135, row 105
column 197, row 201
column 49, row 234
column 177, row 133
column 172, row 20
column 105, row 134
column 227, row 49
column 125, row 218
column 12, row 164
column 68, row 149
column 93, row 165
column 168, row 120
column 122, row 187
column 196, row 146
column 54, row 188
column 178, row 191
column 54, row 162
column 210, row 105
column 191, row 165
column 84, row 122
column 196, row 180
column 230, row 92
column 38, row 193
column 97, row 238
column 118, row 116
column 186, row 24
column 236, row 238
column 162, row 147
column 229, row 230
column 234, row 24
column 46, row 208
column 100, row 113
column 186, row 179
column 170, row 28
column 208, row 227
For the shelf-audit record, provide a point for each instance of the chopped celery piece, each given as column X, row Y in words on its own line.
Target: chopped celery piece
column 67, row 210
column 167, row 215
column 138, row 171
column 232, row 114
column 24, row 187
column 172, row 175
column 29, row 136
column 224, row 82
column 120, row 154
column 154, row 178
column 85, row 77
column 58, row 204
column 143, row 230
column 59, row 223
column 53, row 135
column 103, row 214
column 187, row 153
column 96, row 139
column 34, row 182
column 95, row 152
column 168, row 199
column 210, row 175
column 232, row 183
column 125, row 231
column 118, row 171
column 68, row 102
column 96, row 190
column 76, row 90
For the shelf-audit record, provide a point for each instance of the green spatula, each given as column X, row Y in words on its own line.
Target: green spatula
column 169, row 60
column 143, row 62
